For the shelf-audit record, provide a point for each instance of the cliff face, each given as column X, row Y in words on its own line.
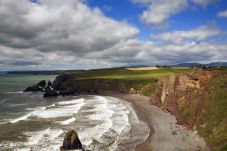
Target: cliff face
column 198, row 100
column 145, row 86
column 182, row 95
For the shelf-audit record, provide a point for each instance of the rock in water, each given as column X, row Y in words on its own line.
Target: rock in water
column 50, row 93
column 49, row 84
column 71, row 142
column 33, row 88
column 42, row 83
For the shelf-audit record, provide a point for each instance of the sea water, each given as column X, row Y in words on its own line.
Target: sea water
column 30, row 122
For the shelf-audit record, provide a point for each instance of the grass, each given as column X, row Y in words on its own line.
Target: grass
column 142, row 81
column 130, row 74
column 213, row 123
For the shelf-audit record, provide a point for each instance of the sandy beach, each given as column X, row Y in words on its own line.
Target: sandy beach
column 165, row 134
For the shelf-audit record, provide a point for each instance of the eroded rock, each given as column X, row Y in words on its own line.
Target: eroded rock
column 71, row 142
column 50, row 93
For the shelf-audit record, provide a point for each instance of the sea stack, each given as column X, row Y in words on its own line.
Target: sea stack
column 71, row 142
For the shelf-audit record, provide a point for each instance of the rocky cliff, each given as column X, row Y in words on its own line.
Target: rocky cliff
column 198, row 100
column 182, row 95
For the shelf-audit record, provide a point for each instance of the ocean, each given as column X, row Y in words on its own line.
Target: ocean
column 29, row 122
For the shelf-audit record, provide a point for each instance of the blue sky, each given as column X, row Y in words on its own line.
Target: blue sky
column 85, row 34
column 192, row 17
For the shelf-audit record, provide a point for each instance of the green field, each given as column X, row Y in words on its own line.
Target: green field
column 122, row 73
column 125, row 80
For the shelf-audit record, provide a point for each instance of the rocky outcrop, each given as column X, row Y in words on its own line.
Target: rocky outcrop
column 50, row 93
column 68, row 92
column 61, row 81
column 71, row 142
column 34, row 88
column 182, row 95
column 40, row 86
column 41, row 83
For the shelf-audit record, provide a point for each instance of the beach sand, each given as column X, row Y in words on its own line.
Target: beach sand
column 165, row 134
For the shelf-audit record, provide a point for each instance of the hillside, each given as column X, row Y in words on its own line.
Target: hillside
column 198, row 99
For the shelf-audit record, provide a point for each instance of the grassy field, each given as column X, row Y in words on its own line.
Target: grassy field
column 122, row 73
column 142, row 81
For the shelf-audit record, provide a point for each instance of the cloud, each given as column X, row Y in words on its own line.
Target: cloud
column 48, row 27
column 70, row 35
column 198, row 34
column 222, row 14
column 159, row 11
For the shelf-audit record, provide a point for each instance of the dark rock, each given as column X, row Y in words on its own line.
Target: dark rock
column 42, row 83
column 68, row 92
column 28, row 89
column 71, row 142
column 96, row 91
column 61, row 80
column 33, row 88
column 47, row 88
column 49, row 84
column 50, row 93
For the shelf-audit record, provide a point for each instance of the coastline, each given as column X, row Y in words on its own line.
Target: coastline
column 165, row 134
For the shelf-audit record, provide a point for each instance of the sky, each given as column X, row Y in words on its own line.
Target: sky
column 87, row 34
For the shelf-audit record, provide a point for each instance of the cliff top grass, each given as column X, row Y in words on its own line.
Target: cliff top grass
column 122, row 73
column 213, row 123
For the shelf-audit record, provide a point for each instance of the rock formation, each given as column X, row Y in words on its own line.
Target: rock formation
column 40, row 86
column 50, row 93
column 71, row 142
column 42, row 83
column 182, row 95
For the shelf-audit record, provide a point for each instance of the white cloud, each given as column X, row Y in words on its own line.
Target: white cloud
column 70, row 35
column 222, row 13
column 159, row 11
column 57, row 28
column 198, row 34
column 54, row 25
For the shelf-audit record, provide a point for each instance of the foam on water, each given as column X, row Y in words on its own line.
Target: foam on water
column 68, row 121
column 27, row 115
column 21, row 118
column 42, row 136
column 65, row 108
column 108, row 121
column 76, row 101
column 14, row 92
column 58, row 111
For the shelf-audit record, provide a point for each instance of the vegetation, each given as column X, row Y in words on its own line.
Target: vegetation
column 213, row 123
column 142, row 81
column 122, row 73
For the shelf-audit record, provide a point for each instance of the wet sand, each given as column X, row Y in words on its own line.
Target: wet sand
column 165, row 134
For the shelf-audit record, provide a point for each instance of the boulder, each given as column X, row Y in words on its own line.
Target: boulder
column 42, row 83
column 71, row 142
column 33, row 88
column 49, row 84
column 50, row 93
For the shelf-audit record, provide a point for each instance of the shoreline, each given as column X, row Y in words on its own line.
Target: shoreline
column 165, row 134
column 146, row 145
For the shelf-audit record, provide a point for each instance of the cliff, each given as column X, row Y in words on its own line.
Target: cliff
column 198, row 99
